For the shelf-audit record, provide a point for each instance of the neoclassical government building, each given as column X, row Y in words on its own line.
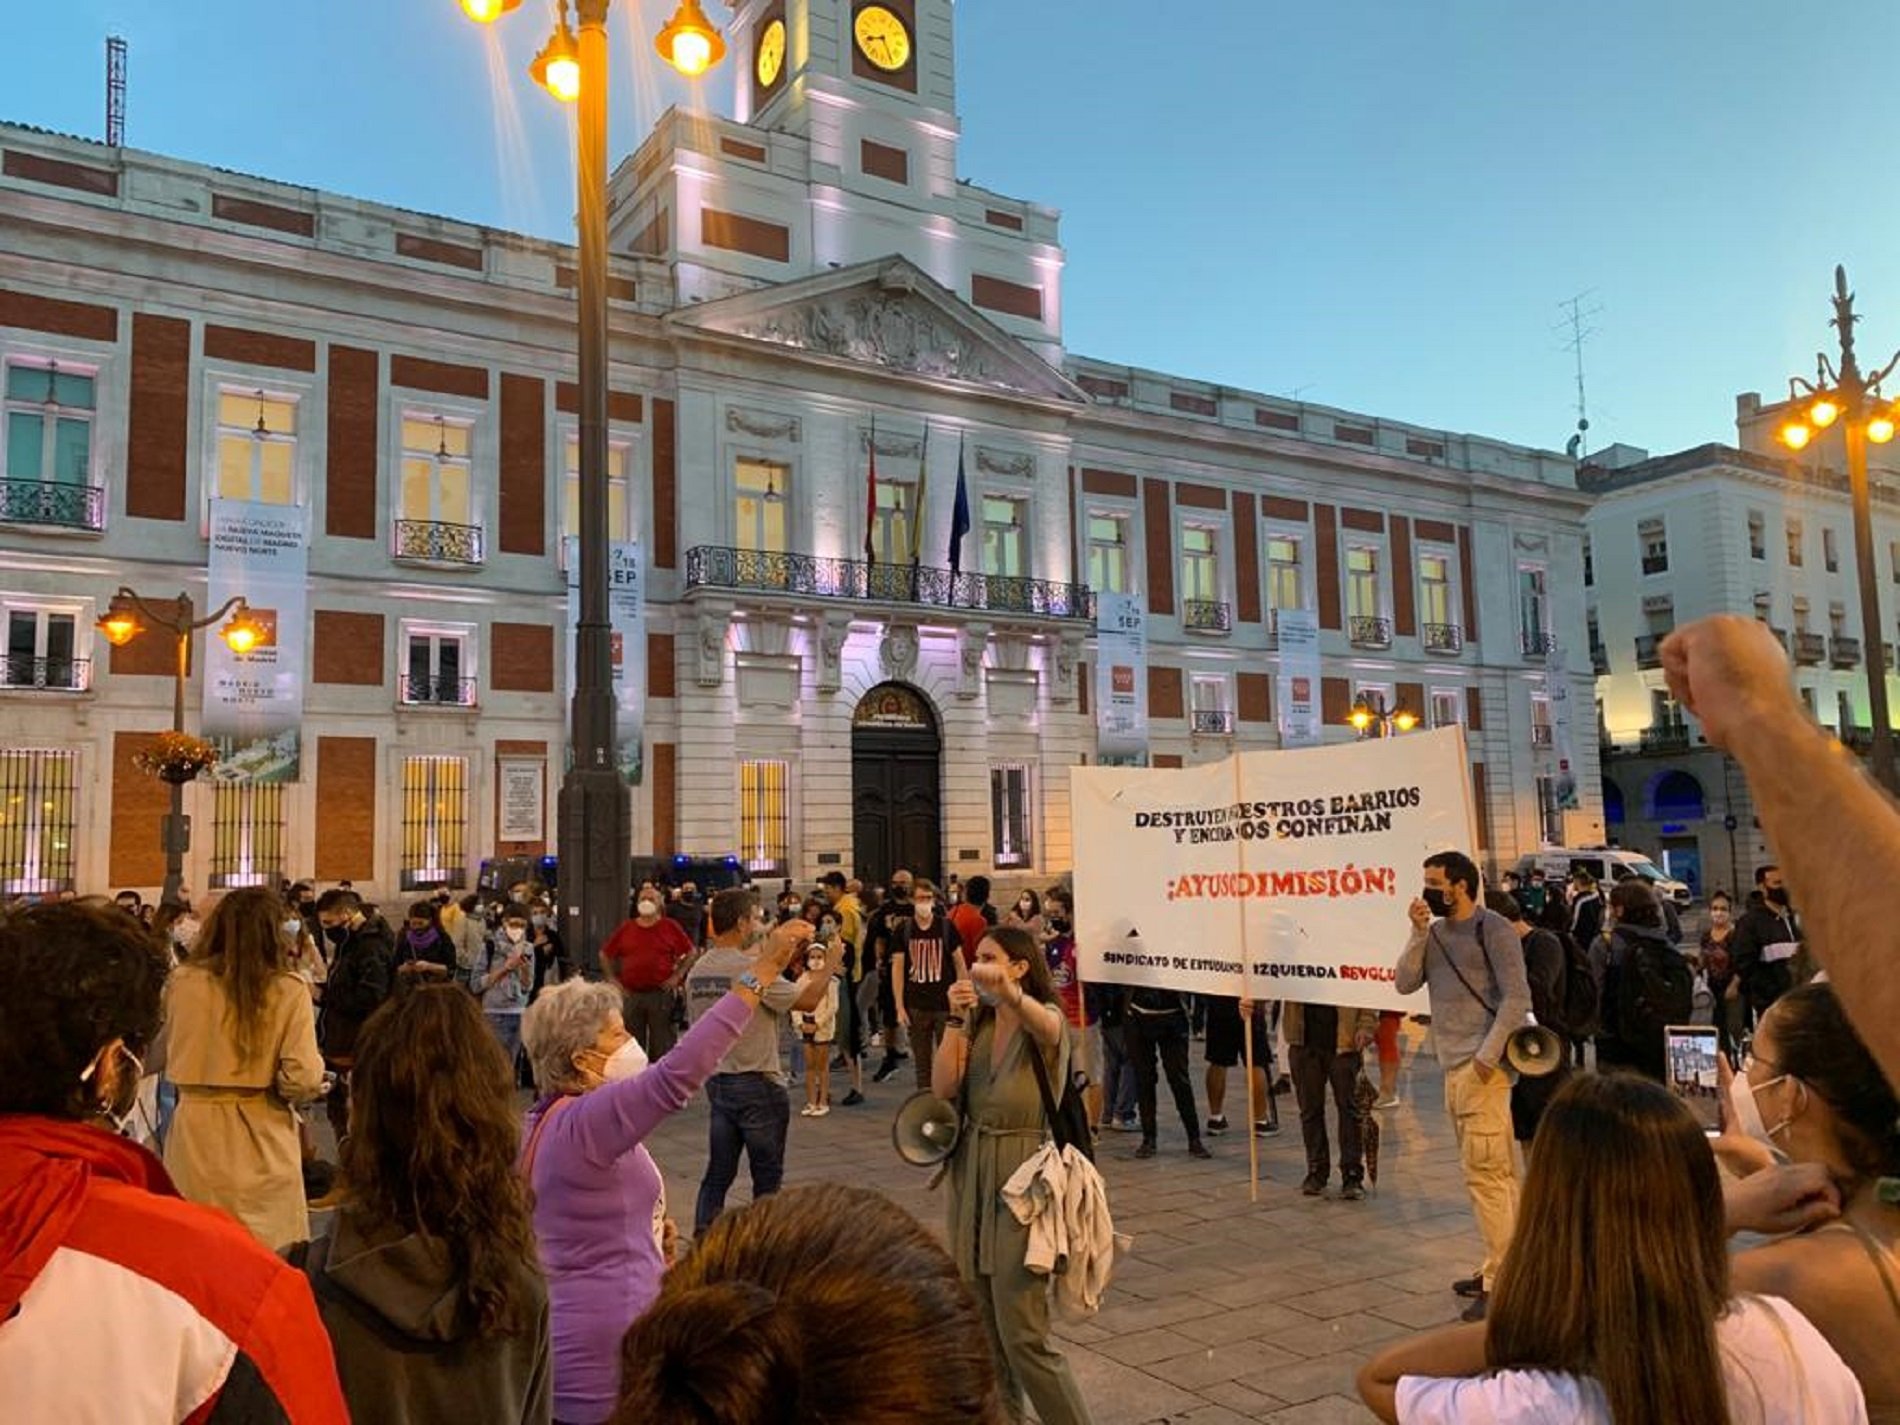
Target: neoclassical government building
column 796, row 292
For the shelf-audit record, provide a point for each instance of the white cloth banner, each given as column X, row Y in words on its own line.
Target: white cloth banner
column 253, row 702
column 1280, row 875
column 1121, row 678
column 627, row 612
column 1299, row 677
column 1557, row 690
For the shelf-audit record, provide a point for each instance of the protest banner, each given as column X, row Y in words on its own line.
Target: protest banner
column 253, row 701
column 1121, row 679
column 1297, row 632
column 1279, row 875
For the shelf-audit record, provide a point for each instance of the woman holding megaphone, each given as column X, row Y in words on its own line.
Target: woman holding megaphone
column 1000, row 1016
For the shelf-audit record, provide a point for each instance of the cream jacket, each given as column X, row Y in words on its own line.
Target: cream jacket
column 1060, row 1197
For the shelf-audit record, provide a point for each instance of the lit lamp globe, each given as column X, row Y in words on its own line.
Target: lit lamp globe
column 1405, row 719
column 241, row 632
column 486, row 12
column 689, row 41
column 557, row 68
column 119, row 623
column 1360, row 716
column 1880, row 429
column 1795, row 434
column 1824, row 412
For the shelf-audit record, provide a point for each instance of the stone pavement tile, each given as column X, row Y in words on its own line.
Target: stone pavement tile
column 1235, row 1396
column 1272, row 1284
column 1240, row 1323
column 1211, row 1415
column 1357, row 1331
column 1422, row 1311
column 1342, row 1298
column 1327, row 1410
column 1141, row 1348
column 1122, row 1395
column 1227, row 1362
column 1310, row 1380
column 1122, row 1319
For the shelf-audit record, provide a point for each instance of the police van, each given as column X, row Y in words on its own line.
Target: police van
column 1609, row 864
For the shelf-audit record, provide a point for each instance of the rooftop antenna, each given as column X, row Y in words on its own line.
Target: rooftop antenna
column 1575, row 316
column 115, row 91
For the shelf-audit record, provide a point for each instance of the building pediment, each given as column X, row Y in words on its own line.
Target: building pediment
column 889, row 314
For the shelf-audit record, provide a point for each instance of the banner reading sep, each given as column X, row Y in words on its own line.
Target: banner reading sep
column 1280, row 875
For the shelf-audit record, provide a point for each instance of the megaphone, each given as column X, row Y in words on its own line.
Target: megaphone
column 926, row 1130
column 1534, row 1051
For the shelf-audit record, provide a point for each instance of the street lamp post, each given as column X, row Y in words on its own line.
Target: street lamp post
column 594, row 836
column 120, row 625
column 1369, row 712
column 1845, row 394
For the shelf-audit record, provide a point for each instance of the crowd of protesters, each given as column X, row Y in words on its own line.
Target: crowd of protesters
column 481, row 1264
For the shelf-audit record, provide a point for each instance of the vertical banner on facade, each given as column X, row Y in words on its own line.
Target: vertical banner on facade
column 626, row 611
column 253, row 701
column 1283, row 875
column 1557, row 690
column 1121, row 679
column 1299, row 677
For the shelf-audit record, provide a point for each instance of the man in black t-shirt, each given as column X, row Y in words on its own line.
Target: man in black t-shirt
column 925, row 962
column 882, row 928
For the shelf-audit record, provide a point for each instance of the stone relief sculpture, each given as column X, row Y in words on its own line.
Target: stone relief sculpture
column 898, row 652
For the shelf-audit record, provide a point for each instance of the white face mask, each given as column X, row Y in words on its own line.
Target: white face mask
column 626, row 1062
column 514, row 932
column 294, row 929
column 649, row 909
column 1741, row 1099
column 923, row 910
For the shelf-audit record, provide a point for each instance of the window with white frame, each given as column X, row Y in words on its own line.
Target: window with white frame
column 1830, row 549
column 46, row 648
column 1653, row 538
column 1108, row 553
column 1434, row 589
column 1589, row 563
column 761, row 505
column 257, row 447
column 49, row 415
column 1286, row 576
column 247, row 834
column 437, row 470
column 1010, row 816
column 1210, row 703
column 1200, row 563
column 1757, row 535
column 438, row 665
column 1550, row 811
column 1005, row 540
column 434, row 822
column 39, row 820
column 1447, row 708
column 1533, row 608
column 1363, row 598
column 1794, row 544
column 765, row 817
column 619, row 524
column 1540, row 720
column 896, row 512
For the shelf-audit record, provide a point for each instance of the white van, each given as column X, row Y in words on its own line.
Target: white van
column 1608, row 864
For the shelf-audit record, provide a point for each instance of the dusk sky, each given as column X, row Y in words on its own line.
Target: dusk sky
column 1372, row 204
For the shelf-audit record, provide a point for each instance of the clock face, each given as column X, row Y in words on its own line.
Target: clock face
column 771, row 54
column 882, row 38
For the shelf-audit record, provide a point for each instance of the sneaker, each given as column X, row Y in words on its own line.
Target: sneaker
column 1469, row 1286
column 821, row 1110
column 1352, row 1190
column 1217, row 1125
column 1124, row 1125
column 1283, row 1084
column 1475, row 1311
column 808, row 1111
column 1147, row 1148
column 853, row 1099
column 1198, row 1149
column 1314, row 1186
column 1269, row 1129
column 1392, row 1102
column 884, row 1071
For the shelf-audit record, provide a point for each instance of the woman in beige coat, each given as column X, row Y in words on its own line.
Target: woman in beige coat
column 240, row 1042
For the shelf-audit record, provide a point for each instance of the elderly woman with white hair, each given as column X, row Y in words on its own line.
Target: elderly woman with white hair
column 599, row 1199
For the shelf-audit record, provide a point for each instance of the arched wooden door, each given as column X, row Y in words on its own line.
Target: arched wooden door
column 896, row 785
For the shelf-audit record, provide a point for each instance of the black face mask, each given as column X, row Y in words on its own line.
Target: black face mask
column 1059, row 924
column 1776, row 895
column 1438, row 901
column 336, row 934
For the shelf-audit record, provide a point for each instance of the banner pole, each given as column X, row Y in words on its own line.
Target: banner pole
column 1246, row 1018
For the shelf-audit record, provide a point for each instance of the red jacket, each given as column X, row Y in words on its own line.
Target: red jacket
column 137, row 1307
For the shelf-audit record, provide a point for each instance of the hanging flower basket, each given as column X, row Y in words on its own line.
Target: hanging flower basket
column 176, row 757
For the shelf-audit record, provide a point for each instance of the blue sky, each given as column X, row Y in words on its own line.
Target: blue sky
column 1375, row 204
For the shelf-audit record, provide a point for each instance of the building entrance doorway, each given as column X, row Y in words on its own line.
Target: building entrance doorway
column 896, row 786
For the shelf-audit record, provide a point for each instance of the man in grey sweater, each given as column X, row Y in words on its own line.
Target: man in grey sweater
column 1471, row 965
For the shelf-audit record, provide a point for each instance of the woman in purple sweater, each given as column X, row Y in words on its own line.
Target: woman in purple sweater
column 599, row 1200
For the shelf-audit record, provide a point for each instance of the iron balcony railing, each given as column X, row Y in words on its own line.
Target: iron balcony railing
column 53, row 675
column 1858, row 739
column 437, row 542
column 53, row 504
column 1665, row 737
column 1443, row 638
column 1844, row 652
column 1207, row 615
column 1809, row 649
column 1649, row 650
column 1218, row 724
column 813, row 576
column 1655, row 563
column 430, row 691
column 1536, row 642
column 1599, row 658
column 1369, row 632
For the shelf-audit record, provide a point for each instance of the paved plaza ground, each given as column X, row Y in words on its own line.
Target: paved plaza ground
column 1224, row 1310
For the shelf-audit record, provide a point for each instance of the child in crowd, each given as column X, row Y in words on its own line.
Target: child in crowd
column 819, row 1029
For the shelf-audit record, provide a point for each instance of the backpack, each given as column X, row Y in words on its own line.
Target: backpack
column 1581, row 1010
column 1655, row 989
